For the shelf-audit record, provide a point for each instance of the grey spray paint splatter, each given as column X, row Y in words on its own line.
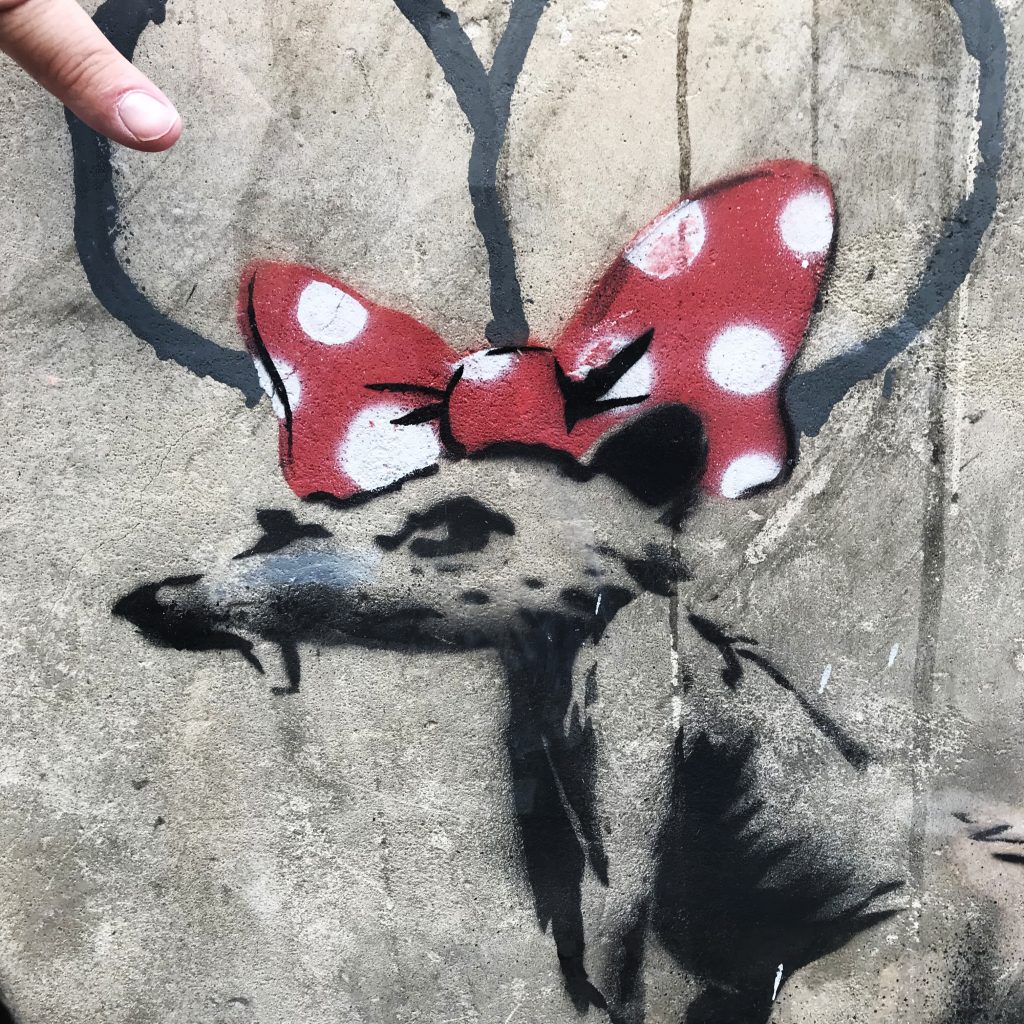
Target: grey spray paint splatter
column 97, row 227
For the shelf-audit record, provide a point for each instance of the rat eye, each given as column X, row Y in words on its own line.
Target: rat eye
column 452, row 527
column 659, row 456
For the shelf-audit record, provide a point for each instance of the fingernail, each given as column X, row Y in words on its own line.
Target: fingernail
column 146, row 117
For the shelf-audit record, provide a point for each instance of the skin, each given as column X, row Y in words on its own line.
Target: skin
column 56, row 42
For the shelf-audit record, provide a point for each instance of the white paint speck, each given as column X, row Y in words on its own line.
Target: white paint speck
column 778, row 983
column 677, row 712
column 597, row 607
column 825, row 677
column 894, row 653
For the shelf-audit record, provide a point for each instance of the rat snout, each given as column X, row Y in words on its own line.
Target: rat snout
column 172, row 613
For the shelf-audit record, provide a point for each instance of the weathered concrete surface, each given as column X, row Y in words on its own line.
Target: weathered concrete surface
column 178, row 843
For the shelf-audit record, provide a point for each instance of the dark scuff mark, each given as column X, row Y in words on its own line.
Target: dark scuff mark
column 97, row 229
column 812, row 395
column 465, row 525
column 486, row 100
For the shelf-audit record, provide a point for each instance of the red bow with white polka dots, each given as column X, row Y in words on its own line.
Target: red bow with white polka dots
column 707, row 306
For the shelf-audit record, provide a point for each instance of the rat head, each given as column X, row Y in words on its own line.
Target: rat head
column 664, row 384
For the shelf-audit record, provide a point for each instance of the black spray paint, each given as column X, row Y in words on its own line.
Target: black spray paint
column 737, row 649
column 551, row 745
column 735, row 898
column 486, row 100
column 811, row 396
column 709, row 872
column 303, row 590
column 97, row 227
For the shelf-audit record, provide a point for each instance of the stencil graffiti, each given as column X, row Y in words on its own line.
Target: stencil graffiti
column 668, row 382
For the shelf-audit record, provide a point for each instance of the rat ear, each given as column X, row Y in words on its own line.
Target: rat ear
column 658, row 456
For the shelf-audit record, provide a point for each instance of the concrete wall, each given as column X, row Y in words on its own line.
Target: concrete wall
column 775, row 774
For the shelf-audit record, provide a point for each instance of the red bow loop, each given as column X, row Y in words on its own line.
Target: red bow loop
column 706, row 307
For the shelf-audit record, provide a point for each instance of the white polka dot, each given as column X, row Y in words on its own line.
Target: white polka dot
column 486, row 366
column 290, row 380
column 671, row 243
column 636, row 382
column 745, row 360
column 329, row 315
column 376, row 452
column 806, row 224
column 750, row 470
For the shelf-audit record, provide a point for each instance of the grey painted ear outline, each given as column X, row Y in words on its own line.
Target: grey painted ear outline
column 485, row 98
column 813, row 395
column 98, row 226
